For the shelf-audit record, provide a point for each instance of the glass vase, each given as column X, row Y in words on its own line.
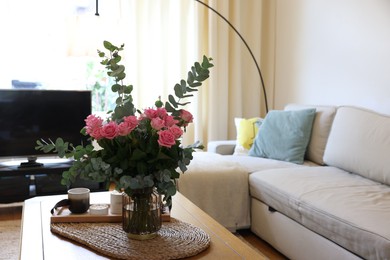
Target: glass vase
column 141, row 214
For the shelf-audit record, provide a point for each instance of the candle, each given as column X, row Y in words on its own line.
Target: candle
column 116, row 202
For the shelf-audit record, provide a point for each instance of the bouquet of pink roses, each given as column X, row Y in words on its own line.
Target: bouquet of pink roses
column 136, row 149
column 165, row 126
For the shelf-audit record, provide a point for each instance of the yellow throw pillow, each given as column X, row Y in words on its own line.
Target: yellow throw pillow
column 246, row 133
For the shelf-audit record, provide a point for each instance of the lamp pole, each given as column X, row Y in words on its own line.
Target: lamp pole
column 97, row 8
column 247, row 46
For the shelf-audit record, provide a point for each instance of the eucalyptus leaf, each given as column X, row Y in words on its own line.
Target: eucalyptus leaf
column 178, row 91
column 116, row 60
column 108, row 45
column 169, row 107
column 190, row 78
column 202, row 77
column 120, row 69
column 115, row 87
column 119, row 100
column 172, row 101
column 206, row 62
column 183, row 85
column 121, row 76
column 132, row 156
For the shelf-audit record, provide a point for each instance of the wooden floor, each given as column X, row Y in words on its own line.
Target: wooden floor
column 260, row 245
column 15, row 212
column 11, row 212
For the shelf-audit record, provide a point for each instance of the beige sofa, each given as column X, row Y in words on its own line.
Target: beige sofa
column 336, row 205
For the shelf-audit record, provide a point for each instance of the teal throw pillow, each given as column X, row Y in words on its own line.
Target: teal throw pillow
column 284, row 135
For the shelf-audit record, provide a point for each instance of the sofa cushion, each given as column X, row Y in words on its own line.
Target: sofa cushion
column 253, row 164
column 284, row 135
column 222, row 147
column 359, row 142
column 345, row 208
column 246, row 132
column 320, row 131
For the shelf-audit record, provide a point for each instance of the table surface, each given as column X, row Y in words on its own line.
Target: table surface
column 38, row 242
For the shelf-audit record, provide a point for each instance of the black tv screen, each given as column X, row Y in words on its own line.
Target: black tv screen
column 29, row 115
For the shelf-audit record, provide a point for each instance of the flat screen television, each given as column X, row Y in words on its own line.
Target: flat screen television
column 29, row 115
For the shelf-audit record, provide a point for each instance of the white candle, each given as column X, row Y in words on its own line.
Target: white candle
column 116, row 202
column 98, row 209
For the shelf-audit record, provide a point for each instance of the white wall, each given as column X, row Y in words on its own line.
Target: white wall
column 333, row 52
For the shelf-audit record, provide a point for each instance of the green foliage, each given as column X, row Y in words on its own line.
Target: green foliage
column 124, row 102
column 102, row 96
column 198, row 73
column 135, row 160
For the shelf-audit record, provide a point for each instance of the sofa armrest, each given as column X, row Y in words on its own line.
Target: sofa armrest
column 224, row 147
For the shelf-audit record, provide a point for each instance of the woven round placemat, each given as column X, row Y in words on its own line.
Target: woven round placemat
column 175, row 239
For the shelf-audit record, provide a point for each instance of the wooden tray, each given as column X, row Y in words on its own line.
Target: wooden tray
column 62, row 215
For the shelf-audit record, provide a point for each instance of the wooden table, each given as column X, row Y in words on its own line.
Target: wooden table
column 38, row 242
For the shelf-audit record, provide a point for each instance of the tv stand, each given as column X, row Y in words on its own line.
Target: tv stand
column 31, row 162
column 19, row 183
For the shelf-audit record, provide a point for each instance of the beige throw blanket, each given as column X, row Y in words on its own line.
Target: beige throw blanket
column 219, row 187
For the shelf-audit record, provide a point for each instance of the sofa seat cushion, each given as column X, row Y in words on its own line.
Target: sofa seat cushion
column 346, row 208
column 253, row 164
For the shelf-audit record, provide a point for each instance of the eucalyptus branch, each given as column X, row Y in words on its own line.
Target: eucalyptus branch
column 137, row 152
column 198, row 73
column 124, row 102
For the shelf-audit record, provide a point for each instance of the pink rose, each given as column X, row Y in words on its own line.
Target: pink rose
column 150, row 113
column 157, row 123
column 166, row 138
column 123, row 130
column 186, row 116
column 161, row 112
column 128, row 125
column 170, row 121
column 96, row 134
column 131, row 121
column 109, row 131
column 176, row 131
column 93, row 123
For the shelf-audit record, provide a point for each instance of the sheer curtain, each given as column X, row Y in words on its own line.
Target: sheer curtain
column 235, row 87
column 159, row 40
column 163, row 38
column 49, row 40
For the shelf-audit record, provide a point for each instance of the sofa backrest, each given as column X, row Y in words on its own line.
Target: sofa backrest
column 320, row 131
column 359, row 142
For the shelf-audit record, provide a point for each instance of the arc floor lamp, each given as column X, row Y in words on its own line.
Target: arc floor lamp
column 242, row 39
